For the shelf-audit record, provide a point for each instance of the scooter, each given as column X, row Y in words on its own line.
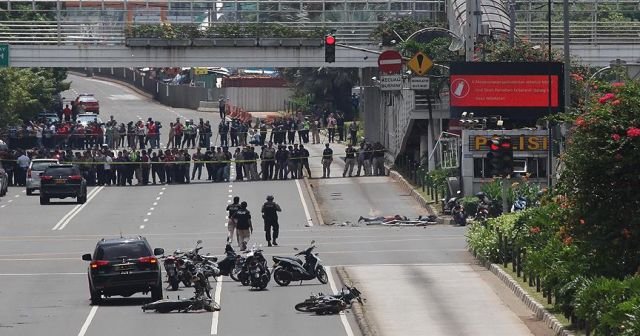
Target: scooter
column 227, row 266
column 255, row 271
column 459, row 216
column 287, row 269
column 172, row 271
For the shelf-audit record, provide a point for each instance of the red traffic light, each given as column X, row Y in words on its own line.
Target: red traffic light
column 329, row 40
column 505, row 143
column 494, row 147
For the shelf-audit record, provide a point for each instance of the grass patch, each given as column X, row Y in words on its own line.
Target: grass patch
column 540, row 299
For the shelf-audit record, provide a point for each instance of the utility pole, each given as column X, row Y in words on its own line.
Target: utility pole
column 474, row 19
column 567, row 57
column 512, row 18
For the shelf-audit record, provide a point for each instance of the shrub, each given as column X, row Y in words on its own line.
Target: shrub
column 483, row 239
column 470, row 204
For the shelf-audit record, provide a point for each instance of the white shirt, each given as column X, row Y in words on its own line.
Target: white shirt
column 108, row 161
column 23, row 161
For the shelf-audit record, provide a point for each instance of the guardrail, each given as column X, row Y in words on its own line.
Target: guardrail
column 351, row 33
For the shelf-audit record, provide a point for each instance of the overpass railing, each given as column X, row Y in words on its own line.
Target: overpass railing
column 352, row 33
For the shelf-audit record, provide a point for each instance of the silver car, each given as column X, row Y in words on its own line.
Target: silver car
column 36, row 167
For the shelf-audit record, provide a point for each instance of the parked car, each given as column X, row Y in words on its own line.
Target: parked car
column 90, row 102
column 86, row 118
column 62, row 181
column 4, row 181
column 37, row 167
column 124, row 266
column 48, row 117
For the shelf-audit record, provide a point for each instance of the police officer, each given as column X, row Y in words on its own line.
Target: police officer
column 350, row 160
column 270, row 215
column 243, row 225
column 327, row 158
column 231, row 224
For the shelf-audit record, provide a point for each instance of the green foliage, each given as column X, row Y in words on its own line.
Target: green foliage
column 171, row 31
column 437, row 178
column 484, row 239
column 470, row 204
column 600, row 179
column 26, row 92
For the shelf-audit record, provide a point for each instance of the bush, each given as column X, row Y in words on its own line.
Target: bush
column 470, row 204
column 610, row 303
column 483, row 239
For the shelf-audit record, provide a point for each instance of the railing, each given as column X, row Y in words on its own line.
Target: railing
column 351, row 33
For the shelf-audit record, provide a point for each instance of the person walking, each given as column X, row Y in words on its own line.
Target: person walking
column 243, row 225
column 331, row 127
column 350, row 160
column 270, row 211
column 231, row 223
column 327, row 158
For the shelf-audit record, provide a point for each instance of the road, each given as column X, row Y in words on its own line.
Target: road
column 44, row 281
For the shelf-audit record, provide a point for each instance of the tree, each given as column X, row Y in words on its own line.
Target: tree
column 330, row 87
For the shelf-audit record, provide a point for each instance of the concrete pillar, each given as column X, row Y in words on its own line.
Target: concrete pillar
column 424, row 147
column 430, row 144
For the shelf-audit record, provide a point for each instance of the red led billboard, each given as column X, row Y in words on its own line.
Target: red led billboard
column 517, row 90
column 503, row 91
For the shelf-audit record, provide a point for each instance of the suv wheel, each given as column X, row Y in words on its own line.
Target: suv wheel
column 82, row 199
column 156, row 292
column 44, row 200
column 95, row 297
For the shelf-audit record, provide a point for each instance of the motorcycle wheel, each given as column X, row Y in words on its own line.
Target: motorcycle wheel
column 174, row 282
column 207, row 288
column 306, row 307
column 244, row 278
column 264, row 281
column 281, row 276
column 234, row 274
column 321, row 274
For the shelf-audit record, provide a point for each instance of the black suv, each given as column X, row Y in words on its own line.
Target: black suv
column 124, row 266
column 62, row 181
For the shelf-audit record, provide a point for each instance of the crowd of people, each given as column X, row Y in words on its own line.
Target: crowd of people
column 113, row 153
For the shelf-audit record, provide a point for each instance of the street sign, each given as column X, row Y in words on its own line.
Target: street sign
column 420, row 64
column 390, row 61
column 4, row 55
column 419, row 83
column 391, row 83
column 201, row 71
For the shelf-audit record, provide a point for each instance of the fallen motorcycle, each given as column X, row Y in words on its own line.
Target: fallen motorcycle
column 330, row 304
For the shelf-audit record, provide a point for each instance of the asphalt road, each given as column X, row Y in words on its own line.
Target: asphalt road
column 44, row 284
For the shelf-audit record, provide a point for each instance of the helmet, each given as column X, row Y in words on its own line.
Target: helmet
column 270, row 198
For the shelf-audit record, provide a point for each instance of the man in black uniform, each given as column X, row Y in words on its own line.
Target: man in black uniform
column 270, row 215
column 243, row 225
column 231, row 223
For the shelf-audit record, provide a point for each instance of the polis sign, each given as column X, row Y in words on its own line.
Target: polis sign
column 523, row 143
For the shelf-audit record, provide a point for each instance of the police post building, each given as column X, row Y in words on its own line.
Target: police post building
column 496, row 100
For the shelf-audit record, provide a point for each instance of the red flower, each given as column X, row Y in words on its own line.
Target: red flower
column 633, row 132
column 582, row 221
column 580, row 122
column 534, row 230
column 567, row 241
column 617, row 84
column 616, row 137
column 606, row 98
column 615, row 102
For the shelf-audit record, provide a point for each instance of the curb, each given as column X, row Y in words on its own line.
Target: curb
column 359, row 311
column 314, row 201
column 538, row 309
column 412, row 192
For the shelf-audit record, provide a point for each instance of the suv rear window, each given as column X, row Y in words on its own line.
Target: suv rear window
column 62, row 171
column 87, row 99
column 124, row 250
column 41, row 165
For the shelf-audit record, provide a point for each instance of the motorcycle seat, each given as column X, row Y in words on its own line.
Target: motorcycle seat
column 289, row 259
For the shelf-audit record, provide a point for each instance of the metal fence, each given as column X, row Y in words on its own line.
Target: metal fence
column 104, row 23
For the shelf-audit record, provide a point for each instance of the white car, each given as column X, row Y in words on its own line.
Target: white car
column 86, row 118
column 36, row 167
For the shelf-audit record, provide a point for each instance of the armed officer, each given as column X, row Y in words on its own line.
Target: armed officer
column 270, row 211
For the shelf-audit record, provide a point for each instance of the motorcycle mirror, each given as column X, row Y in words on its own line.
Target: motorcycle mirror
column 458, row 192
column 86, row 257
column 295, row 248
column 313, row 242
column 158, row 251
column 199, row 241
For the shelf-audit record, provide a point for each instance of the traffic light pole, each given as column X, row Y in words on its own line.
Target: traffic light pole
column 505, row 192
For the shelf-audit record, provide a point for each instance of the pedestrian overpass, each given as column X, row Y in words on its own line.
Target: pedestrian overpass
column 95, row 33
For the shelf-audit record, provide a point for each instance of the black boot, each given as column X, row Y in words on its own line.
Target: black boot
column 269, row 243
column 274, row 243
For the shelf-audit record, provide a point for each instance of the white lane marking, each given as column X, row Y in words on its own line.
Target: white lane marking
column 148, row 214
column 146, row 220
column 157, row 198
column 216, row 314
column 2, row 206
column 228, row 201
column 230, row 190
column 164, row 188
column 9, row 201
column 151, row 209
column 73, row 211
column 40, row 274
column 304, row 205
column 87, row 322
column 334, row 289
column 155, row 203
column 24, row 191
column 141, row 227
column 230, row 196
column 64, row 224
column 230, row 186
column 160, row 193
column 17, row 196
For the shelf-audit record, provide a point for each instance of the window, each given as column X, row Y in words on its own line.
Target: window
column 119, row 251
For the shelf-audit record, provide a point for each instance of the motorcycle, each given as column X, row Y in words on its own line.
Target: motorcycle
column 171, row 268
column 459, row 216
column 255, row 271
column 287, row 269
column 201, row 300
column 520, row 204
column 227, row 266
column 330, row 304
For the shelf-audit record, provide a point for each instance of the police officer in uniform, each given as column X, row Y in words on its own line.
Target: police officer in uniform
column 231, row 224
column 270, row 211
column 243, row 225
column 350, row 160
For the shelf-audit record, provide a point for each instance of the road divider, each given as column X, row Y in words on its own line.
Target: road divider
column 69, row 216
